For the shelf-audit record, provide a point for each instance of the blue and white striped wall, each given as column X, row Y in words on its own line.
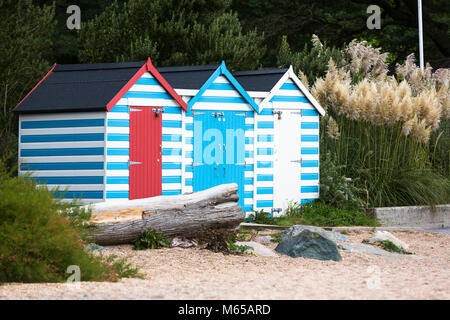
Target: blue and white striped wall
column 65, row 151
column 288, row 97
column 146, row 92
column 221, row 95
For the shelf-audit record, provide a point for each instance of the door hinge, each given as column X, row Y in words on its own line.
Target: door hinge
column 130, row 163
column 298, row 161
column 242, row 164
column 217, row 114
column 197, row 164
column 157, row 111
column 197, row 113
column 297, row 112
column 241, row 114
column 130, row 109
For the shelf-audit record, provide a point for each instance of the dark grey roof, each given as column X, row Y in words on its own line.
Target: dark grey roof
column 259, row 80
column 79, row 87
column 191, row 77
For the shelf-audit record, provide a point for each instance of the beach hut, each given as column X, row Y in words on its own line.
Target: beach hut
column 217, row 129
column 103, row 132
column 286, row 137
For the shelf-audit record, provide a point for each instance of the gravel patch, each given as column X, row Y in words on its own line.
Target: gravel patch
column 194, row 273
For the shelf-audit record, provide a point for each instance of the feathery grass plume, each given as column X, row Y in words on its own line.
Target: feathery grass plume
column 366, row 61
column 428, row 108
column 441, row 78
column 316, row 42
column 408, row 125
column 443, row 96
column 381, row 127
column 420, row 131
column 405, row 70
column 304, row 79
column 333, row 129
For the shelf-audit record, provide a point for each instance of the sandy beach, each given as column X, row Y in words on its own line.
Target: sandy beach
column 195, row 273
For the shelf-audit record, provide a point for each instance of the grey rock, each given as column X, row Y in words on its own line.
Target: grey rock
column 263, row 239
column 381, row 236
column 258, row 249
column 331, row 235
column 365, row 248
column 311, row 245
column 183, row 242
column 96, row 247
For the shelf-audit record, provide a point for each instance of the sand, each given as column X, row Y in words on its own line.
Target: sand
column 195, row 273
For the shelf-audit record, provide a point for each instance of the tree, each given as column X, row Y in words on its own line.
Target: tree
column 338, row 22
column 172, row 33
column 24, row 30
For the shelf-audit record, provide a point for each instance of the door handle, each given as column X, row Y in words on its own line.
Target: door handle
column 224, row 170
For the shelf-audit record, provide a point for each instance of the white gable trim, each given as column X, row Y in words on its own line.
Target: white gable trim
column 291, row 75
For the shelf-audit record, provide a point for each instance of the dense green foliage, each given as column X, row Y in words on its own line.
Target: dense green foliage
column 151, row 240
column 40, row 238
column 24, row 54
column 172, row 32
column 317, row 213
column 339, row 22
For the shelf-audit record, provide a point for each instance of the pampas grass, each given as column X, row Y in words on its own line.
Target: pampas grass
column 380, row 126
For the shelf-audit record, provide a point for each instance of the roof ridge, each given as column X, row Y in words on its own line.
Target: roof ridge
column 188, row 68
column 97, row 66
column 260, row 72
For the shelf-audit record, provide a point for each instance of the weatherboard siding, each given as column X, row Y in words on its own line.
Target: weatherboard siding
column 147, row 92
column 221, row 95
column 290, row 96
column 64, row 151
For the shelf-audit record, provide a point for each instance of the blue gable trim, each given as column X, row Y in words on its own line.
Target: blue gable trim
column 222, row 70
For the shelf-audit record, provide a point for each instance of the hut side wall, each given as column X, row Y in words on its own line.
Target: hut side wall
column 65, row 150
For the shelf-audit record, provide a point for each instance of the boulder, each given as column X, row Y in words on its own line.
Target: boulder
column 295, row 230
column 311, row 245
column 365, row 248
column 263, row 239
column 183, row 242
column 258, row 249
column 381, row 236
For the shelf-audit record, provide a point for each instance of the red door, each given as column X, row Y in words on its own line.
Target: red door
column 145, row 152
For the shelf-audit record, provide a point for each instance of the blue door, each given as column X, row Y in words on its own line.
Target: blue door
column 219, row 150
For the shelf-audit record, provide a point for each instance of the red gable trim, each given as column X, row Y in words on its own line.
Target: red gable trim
column 166, row 85
column 148, row 66
column 45, row 77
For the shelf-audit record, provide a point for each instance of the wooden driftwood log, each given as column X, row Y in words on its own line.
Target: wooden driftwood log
column 188, row 215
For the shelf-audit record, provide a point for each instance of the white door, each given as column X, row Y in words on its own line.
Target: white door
column 287, row 159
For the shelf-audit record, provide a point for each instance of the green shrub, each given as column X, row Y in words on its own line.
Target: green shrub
column 151, row 240
column 239, row 248
column 318, row 213
column 391, row 247
column 261, row 216
column 334, row 189
column 40, row 237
